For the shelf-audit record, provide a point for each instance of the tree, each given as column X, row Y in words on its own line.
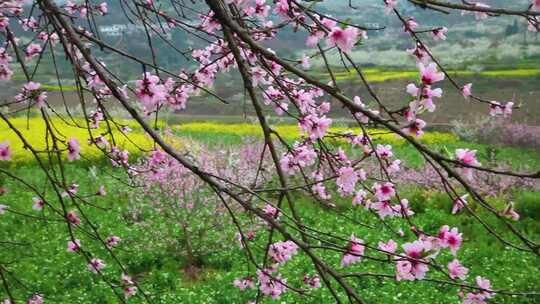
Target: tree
column 233, row 36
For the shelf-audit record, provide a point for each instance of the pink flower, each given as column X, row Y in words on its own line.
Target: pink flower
column 344, row 39
column 315, row 126
column 459, row 203
column 420, row 51
column 244, row 283
column 71, row 190
column 209, row 23
column 389, row 6
column 355, row 250
column 35, row 299
column 271, row 211
column 384, row 151
column 389, row 246
column 429, row 74
column 29, row 24
column 149, row 92
column 126, row 279
column 112, row 241
column 484, row 284
column 510, row 212
column 73, row 218
column 313, row 281
column 415, row 128
column 129, row 291
column 31, row 92
column 359, row 197
column 467, row 157
column 394, row 167
column 410, row 25
column 281, row 252
column 32, row 50
column 535, row 5
column 385, row 191
column 305, row 62
column 347, row 180
column 3, row 209
column 74, row 246
column 271, row 285
column 402, row 209
column 5, row 151
column 413, row 269
column 101, row 191
column 466, row 90
column 384, row 208
column 456, row 270
column 403, row 271
column 102, row 8
column 479, row 297
column 496, row 109
column 282, row 8
column 439, row 33
column 74, row 149
column 319, row 188
column 95, row 265
column 38, row 203
column 5, row 72
column 450, row 238
column 258, row 75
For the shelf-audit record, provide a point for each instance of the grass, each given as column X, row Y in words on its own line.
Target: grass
column 45, row 266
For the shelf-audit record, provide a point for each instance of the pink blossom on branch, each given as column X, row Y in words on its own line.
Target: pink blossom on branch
column 429, row 73
column 36, row 299
column 456, row 270
column 459, row 203
column 389, row 246
column 281, row 252
column 5, row 151
column 389, row 6
column 74, row 149
column 346, row 180
column 439, row 33
column 312, row 281
column 273, row 285
column 244, row 283
column 73, row 246
column 344, row 39
column 38, row 203
column 509, row 212
column 354, row 253
column 466, row 90
column 467, row 157
column 450, row 238
column 96, row 265
column 113, row 241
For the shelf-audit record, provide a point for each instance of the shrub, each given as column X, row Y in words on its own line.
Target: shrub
column 491, row 131
column 179, row 212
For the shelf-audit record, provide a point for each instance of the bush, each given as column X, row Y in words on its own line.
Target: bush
column 491, row 131
column 528, row 204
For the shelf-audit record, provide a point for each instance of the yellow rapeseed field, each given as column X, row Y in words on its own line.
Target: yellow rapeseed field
column 34, row 131
column 291, row 132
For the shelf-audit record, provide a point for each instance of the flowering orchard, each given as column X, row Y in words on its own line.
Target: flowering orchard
column 254, row 191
